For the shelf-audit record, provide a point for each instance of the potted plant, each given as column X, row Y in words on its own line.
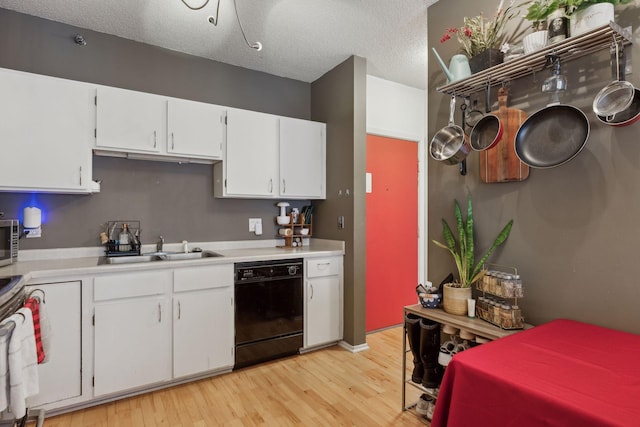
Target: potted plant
column 538, row 12
column 455, row 295
column 585, row 15
column 481, row 38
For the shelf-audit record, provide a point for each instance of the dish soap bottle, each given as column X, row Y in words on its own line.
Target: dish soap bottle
column 124, row 239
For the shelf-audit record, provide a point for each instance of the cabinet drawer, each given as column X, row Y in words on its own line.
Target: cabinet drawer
column 323, row 267
column 129, row 285
column 207, row 277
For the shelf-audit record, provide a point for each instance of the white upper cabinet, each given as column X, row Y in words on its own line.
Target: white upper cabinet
column 195, row 129
column 130, row 121
column 302, row 158
column 251, row 160
column 46, row 133
column 271, row 157
column 144, row 125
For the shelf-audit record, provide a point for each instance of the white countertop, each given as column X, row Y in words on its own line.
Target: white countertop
column 70, row 262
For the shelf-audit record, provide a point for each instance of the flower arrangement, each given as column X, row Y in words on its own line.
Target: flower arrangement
column 479, row 34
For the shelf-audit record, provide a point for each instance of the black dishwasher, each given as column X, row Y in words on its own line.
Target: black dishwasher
column 269, row 319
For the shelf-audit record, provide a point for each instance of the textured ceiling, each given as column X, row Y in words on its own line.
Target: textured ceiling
column 302, row 39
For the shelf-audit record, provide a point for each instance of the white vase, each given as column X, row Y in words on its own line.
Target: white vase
column 534, row 41
column 591, row 17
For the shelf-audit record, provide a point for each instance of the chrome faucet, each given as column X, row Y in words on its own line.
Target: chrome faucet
column 160, row 244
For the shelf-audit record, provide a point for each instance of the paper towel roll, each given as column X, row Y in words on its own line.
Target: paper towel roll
column 32, row 217
column 285, row 232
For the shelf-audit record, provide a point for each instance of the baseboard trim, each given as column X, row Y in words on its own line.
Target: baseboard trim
column 353, row 348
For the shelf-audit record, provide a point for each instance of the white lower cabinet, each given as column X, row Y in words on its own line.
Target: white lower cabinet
column 323, row 301
column 61, row 375
column 154, row 326
column 132, row 331
column 203, row 313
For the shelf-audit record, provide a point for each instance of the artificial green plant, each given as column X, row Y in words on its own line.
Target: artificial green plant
column 464, row 251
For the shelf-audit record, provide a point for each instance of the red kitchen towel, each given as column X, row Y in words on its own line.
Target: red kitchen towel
column 34, row 306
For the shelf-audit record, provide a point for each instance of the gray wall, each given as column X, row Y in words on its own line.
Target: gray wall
column 575, row 233
column 173, row 200
column 339, row 99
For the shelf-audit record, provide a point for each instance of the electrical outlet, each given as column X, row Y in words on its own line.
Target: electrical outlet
column 253, row 222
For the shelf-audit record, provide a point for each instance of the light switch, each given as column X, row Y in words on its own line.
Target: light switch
column 253, row 224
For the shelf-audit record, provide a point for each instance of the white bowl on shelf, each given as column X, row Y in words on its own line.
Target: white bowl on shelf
column 304, row 231
column 283, row 220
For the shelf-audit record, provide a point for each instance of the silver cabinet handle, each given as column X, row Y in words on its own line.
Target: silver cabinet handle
column 179, row 310
column 155, row 138
column 80, row 176
column 159, row 313
column 271, row 185
column 284, row 186
column 311, row 285
column 173, row 141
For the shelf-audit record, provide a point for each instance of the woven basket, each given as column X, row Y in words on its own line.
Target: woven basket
column 454, row 300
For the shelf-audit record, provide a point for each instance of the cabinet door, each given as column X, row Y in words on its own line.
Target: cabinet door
column 202, row 331
column 302, row 158
column 251, row 159
column 46, row 133
column 323, row 311
column 130, row 121
column 61, row 375
column 132, row 344
column 195, row 129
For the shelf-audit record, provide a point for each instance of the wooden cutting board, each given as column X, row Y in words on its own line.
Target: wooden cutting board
column 500, row 163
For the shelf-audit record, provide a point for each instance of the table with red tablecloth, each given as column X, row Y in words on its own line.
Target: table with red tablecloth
column 563, row 373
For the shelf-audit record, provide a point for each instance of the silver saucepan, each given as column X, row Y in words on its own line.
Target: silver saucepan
column 450, row 144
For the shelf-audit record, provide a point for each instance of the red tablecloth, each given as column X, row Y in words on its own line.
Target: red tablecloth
column 563, row 373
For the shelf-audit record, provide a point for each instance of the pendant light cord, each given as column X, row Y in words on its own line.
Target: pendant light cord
column 197, row 8
column 257, row 45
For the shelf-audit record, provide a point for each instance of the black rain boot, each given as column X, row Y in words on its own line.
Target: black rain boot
column 429, row 349
column 412, row 325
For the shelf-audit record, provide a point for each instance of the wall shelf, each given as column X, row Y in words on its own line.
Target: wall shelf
column 568, row 49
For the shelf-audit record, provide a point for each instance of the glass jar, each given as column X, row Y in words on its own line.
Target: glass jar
column 492, row 284
column 506, row 318
column 508, row 286
column 486, row 282
column 517, row 284
column 516, row 316
column 496, row 313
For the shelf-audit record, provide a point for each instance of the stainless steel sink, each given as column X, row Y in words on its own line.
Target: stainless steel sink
column 175, row 256
column 158, row 256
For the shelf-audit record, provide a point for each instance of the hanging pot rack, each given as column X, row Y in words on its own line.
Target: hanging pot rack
column 567, row 50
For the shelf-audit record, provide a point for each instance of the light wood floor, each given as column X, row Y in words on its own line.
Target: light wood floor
column 330, row 387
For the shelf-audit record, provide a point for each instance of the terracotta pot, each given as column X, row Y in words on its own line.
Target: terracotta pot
column 454, row 300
